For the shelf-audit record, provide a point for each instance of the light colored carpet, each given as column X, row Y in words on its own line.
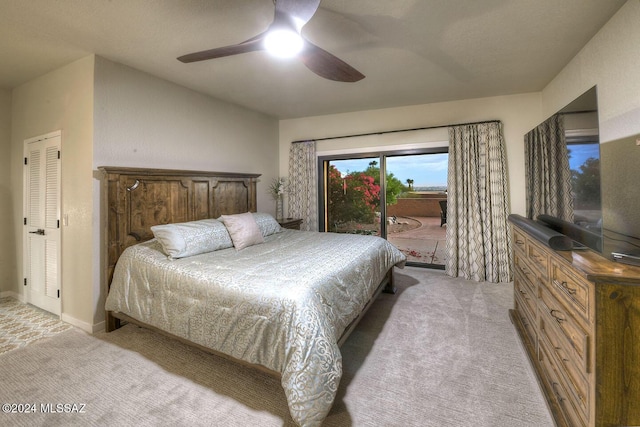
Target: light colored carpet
column 21, row 324
column 441, row 352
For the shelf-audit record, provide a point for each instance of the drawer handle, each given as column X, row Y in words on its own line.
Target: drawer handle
column 554, row 385
column 519, row 242
column 565, row 285
column 559, row 318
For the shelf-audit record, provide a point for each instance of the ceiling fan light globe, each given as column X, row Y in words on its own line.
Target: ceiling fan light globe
column 283, row 43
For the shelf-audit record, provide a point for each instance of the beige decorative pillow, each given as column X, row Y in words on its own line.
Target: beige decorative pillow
column 243, row 229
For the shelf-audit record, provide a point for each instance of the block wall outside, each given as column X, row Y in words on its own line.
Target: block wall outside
column 417, row 207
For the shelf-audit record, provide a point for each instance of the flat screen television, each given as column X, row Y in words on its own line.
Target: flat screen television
column 582, row 221
column 605, row 186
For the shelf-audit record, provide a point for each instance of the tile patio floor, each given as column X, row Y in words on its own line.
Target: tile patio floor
column 425, row 244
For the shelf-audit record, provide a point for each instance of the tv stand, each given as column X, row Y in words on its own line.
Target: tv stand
column 578, row 317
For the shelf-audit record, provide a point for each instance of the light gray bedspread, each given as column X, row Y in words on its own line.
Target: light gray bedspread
column 282, row 304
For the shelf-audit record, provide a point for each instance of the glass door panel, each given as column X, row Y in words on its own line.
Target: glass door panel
column 352, row 202
column 416, row 195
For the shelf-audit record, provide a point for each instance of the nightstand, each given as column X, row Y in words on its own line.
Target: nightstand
column 291, row 223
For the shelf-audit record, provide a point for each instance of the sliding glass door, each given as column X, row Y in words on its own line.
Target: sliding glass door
column 398, row 196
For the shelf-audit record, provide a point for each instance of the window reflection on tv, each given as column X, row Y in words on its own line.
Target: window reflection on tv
column 584, row 162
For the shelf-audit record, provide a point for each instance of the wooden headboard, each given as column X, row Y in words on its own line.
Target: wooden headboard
column 135, row 199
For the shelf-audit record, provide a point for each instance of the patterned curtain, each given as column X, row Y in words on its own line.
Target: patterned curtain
column 478, row 237
column 303, row 184
column 548, row 177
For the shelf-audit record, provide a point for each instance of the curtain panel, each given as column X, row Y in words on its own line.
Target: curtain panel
column 547, row 172
column 303, row 184
column 478, row 234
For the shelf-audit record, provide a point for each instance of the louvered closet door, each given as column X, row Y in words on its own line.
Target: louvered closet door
column 42, row 231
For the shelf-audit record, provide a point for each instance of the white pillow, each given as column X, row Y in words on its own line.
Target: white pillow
column 267, row 224
column 243, row 229
column 192, row 238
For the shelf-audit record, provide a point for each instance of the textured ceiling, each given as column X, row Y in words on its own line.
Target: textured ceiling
column 411, row 51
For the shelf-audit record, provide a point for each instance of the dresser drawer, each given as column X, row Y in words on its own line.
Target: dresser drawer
column 573, row 292
column 524, row 270
column 566, row 326
column 526, row 296
column 519, row 240
column 558, row 387
column 567, row 362
column 538, row 257
column 527, row 321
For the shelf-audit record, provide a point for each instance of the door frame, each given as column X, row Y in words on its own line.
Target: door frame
column 381, row 156
column 55, row 308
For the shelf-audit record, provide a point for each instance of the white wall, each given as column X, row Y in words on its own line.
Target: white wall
column 144, row 121
column 7, row 237
column 60, row 100
column 518, row 113
column 611, row 60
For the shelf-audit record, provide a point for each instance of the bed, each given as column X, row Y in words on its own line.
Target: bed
column 283, row 305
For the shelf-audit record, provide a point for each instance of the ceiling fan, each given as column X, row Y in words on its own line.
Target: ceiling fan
column 290, row 17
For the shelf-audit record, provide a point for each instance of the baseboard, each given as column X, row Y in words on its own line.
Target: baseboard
column 87, row 327
column 99, row 327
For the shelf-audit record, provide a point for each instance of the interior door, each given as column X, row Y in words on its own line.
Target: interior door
column 42, row 222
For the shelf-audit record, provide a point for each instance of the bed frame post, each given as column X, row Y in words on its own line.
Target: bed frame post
column 390, row 287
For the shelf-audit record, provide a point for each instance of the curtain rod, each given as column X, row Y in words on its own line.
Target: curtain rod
column 393, row 131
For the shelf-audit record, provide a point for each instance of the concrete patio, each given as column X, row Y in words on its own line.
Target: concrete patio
column 425, row 244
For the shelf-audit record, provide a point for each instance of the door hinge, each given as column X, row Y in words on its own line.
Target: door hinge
column 25, row 281
column 25, row 221
column 58, row 224
column 58, row 293
column 26, row 161
column 58, row 154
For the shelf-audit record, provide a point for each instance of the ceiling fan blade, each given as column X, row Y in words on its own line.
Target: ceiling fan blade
column 299, row 12
column 251, row 45
column 327, row 65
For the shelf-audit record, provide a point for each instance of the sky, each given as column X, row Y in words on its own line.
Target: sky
column 424, row 169
column 579, row 153
column 429, row 170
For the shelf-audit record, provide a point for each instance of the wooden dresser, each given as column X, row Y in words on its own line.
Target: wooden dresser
column 578, row 316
